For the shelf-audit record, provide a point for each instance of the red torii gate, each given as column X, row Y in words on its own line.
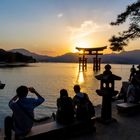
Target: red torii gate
column 90, row 51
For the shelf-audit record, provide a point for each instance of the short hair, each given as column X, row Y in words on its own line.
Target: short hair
column 77, row 88
column 22, row 91
column 63, row 93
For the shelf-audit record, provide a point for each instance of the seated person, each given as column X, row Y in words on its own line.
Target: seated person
column 83, row 106
column 123, row 91
column 133, row 92
column 20, row 122
column 65, row 109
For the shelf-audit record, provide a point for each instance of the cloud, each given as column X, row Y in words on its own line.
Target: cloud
column 86, row 28
column 60, row 15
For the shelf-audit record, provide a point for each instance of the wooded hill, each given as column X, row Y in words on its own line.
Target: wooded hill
column 9, row 57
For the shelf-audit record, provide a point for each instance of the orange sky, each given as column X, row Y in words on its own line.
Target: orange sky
column 56, row 27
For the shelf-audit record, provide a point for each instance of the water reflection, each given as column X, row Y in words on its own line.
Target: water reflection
column 80, row 77
column 49, row 78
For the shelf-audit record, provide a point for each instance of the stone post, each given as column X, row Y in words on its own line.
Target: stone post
column 107, row 84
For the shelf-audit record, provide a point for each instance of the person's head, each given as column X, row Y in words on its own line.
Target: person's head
column 22, row 91
column 63, row 93
column 76, row 88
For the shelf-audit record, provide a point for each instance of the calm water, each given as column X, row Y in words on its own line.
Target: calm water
column 48, row 79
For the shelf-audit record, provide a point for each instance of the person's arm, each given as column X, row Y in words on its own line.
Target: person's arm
column 40, row 98
column 74, row 101
column 32, row 90
column 12, row 101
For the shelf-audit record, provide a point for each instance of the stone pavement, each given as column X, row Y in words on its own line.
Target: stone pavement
column 127, row 127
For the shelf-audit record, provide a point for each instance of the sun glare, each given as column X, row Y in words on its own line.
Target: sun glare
column 80, row 77
column 82, row 44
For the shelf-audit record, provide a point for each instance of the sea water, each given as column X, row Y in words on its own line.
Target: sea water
column 48, row 79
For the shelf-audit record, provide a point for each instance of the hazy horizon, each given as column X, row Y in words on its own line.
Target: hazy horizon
column 55, row 27
column 65, row 52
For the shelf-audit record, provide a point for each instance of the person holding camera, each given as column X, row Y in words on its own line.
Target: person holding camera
column 23, row 112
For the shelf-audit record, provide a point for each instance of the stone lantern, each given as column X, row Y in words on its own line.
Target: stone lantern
column 107, row 91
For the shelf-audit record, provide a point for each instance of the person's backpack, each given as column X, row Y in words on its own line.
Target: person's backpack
column 90, row 109
column 85, row 106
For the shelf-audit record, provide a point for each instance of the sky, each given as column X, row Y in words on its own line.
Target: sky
column 55, row 27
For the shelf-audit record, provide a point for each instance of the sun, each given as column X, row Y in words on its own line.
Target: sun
column 77, row 51
column 82, row 44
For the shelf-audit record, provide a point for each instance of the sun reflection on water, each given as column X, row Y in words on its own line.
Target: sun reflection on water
column 80, row 77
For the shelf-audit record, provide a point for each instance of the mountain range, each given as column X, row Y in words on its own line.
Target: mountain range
column 125, row 57
column 12, row 57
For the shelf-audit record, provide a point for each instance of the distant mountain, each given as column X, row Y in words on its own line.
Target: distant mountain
column 12, row 57
column 68, row 57
column 126, row 57
column 34, row 55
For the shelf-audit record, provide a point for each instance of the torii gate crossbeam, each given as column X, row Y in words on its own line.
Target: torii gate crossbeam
column 90, row 51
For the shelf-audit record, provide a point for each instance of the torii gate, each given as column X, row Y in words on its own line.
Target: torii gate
column 90, row 51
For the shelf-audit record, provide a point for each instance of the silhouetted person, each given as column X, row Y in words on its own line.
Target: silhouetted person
column 65, row 109
column 133, row 95
column 132, row 72
column 128, row 89
column 137, row 75
column 20, row 122
column 123, row 91
column 83, row 106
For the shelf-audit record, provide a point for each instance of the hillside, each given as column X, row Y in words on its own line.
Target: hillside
column 126, row 57
column 34, row 55
column 10, row 57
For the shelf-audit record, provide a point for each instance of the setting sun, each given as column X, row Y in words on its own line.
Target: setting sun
column 82, row 44
column 77, row 51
